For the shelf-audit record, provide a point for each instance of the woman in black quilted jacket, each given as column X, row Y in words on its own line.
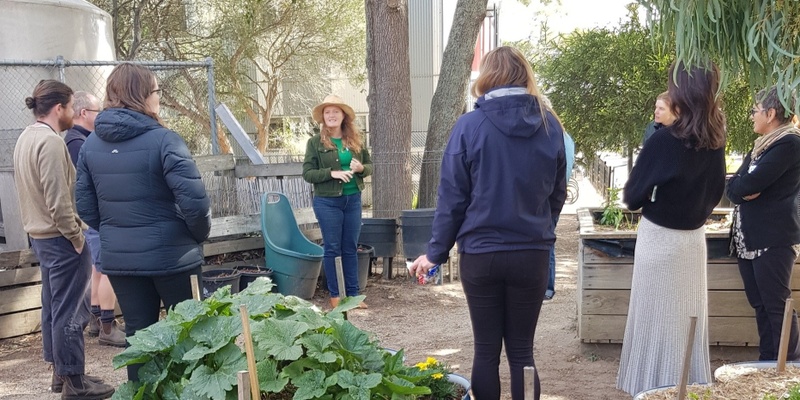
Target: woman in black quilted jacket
column 139, row 187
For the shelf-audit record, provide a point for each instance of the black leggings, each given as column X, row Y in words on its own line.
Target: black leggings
column 504, row 293
column 140, row 299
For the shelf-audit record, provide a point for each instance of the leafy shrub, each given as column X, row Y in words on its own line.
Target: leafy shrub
column 193, row 352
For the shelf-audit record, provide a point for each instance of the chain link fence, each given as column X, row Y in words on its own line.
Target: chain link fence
column 187, row 98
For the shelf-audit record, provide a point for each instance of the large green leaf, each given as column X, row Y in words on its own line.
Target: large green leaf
column 131, row 355
column 358, row 343
column 278, row 338
column 310, row 385
column 318, row 346
column 269, row 378
column 129, row 390
column 214, row 383
column 257, row 304
column 211, row 334
column 358, row 386
column 187, row 310
column 310, row 317
column 154, row 371
column 160, row 336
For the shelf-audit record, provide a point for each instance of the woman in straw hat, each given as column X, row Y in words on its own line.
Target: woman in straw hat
column 336, row 163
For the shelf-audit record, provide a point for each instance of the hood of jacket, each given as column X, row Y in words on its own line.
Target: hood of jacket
column 511, row 110
column 121, row 124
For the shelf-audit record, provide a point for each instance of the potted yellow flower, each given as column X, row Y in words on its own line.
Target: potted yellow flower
column 444, row 384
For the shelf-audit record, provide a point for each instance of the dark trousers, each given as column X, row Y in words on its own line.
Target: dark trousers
column 140, row 299
column 65, row 302
column 504, row 292
column 340, row 223
column 766, row 284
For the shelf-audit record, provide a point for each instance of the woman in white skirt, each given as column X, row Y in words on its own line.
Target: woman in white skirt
column 678, row 179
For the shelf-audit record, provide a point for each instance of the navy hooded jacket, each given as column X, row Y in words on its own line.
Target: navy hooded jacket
column 502, row 178
column 139, row 187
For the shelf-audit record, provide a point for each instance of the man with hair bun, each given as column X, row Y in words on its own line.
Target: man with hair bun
column 45, row 180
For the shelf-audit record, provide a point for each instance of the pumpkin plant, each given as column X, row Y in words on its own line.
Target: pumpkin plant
column 301, row 352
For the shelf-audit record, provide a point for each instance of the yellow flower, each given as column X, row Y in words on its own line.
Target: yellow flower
column 422, row 366
column 430, row 361
column 437, row 375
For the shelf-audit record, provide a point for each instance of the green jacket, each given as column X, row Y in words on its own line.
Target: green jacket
column 320, row 161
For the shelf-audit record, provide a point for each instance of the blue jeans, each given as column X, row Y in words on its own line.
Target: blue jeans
column 551, row 280
column 340, row 222
column 65, row 302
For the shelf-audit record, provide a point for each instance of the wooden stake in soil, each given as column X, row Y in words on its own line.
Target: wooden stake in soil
column 687, row 359
column 529, row 377
column 255, row 390
column 243, row 383
column 195, row 287
column 340, row 280
column 786, row 329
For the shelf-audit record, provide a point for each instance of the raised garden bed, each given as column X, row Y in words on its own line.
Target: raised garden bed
column 605, row 269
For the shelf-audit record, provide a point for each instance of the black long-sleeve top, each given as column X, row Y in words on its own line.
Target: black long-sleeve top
column 770, row 219
column 688, row 183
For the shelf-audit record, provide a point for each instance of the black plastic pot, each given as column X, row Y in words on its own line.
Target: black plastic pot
column 364, row 255
column 217, row 278
column 381, row 234
column 249, row 273
column 416, row 227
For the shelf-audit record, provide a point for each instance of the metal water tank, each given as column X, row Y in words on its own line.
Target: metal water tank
column 42, row 30
column 33, row 33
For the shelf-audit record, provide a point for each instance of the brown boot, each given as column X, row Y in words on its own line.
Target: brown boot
column 94, row 325
column 111, row 336
column 334, row 302
column 78, row 387
column 57, row 384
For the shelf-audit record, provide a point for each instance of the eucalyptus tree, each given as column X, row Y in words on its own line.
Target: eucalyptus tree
column 389, row 100
column 449, row 98
column 760, row 38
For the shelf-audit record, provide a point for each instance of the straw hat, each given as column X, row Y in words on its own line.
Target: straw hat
column 332, row 100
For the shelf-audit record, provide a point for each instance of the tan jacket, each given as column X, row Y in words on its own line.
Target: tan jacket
column 45, row 180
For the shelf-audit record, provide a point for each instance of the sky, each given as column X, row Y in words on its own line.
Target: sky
column 519, row 22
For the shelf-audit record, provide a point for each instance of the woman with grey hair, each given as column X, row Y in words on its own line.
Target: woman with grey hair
column 766, row 229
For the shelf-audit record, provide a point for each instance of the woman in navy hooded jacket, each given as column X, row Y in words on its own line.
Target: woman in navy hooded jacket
column 502, row 184
column 139, row 187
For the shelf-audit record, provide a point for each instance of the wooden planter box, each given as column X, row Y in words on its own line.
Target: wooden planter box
column 605, row 270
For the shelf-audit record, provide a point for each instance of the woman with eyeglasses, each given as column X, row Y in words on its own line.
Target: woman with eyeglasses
column 139, row 187
column 678, row 179
column 765, row 234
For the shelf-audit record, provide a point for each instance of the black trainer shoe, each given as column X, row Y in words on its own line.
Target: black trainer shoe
column 57, row 384
column 86, row 390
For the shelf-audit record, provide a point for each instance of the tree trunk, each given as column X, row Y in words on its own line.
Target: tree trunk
column 389, row 100
column 448, row 99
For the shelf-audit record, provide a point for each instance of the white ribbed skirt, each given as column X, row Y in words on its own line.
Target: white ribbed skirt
column 669, row 286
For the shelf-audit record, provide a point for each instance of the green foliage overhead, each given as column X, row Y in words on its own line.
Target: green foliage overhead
column 603, row 84
column 759, row 37
column 299, row 351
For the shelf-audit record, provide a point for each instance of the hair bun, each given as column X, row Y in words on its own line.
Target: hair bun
column 30, row 102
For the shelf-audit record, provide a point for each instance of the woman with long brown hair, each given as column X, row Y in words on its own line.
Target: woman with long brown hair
column 336, row 163
column 503, row 184
column 139, row 187
column 678, row 179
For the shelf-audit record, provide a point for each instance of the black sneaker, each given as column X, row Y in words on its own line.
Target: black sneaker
column 57, row 384
column 86, row 390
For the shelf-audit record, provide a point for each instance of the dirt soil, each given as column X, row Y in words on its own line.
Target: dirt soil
column 423, row 320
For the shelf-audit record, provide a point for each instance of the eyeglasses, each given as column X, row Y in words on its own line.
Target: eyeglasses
column 753, row 111
column 88, row 109
column 156, row 91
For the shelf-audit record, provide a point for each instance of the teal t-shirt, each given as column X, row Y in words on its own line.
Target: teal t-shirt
column 344, row 158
